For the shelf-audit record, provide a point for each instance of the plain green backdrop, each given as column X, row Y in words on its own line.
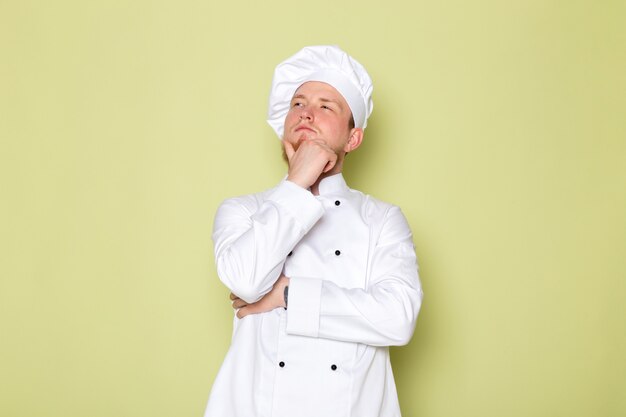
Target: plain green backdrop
column 498, row 127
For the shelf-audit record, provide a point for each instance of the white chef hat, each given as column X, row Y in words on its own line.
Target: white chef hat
column 328, row 64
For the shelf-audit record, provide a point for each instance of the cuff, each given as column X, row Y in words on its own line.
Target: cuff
column 303, row 313
column 300, row 203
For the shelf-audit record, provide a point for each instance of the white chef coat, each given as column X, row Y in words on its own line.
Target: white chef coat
column 354, row 291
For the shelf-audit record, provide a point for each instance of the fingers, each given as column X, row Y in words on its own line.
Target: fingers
column 322, row 145
column 249, row 309
column 330, row 164
column 315, row 143
column 273, row 299
column 331, row 157
column 239, row 303
column 327, row 153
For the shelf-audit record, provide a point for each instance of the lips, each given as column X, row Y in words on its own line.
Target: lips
column 301, row 128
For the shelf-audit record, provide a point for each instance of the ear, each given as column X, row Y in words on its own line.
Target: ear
column 354, row 140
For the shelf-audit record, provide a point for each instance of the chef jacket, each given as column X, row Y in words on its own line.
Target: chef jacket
column 354, row 290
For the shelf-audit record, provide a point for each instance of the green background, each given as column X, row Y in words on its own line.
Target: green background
column 499, row 128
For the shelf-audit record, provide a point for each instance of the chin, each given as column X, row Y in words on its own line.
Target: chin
column 304, row 136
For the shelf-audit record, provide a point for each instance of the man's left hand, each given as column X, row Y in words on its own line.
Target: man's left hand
column 273, row 299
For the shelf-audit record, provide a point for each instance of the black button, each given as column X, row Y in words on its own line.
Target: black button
column 290, row 253
column 281, row 364
column 333, row 367
column 337, row 202
column 337, row 252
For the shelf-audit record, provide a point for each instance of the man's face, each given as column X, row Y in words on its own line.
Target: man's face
column 318, row 111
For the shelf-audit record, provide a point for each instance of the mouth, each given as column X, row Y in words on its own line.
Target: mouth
column 304, row 128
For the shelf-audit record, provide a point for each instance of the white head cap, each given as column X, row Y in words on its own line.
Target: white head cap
column 327, row 64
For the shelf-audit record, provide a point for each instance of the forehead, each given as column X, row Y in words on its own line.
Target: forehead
column 318, row 89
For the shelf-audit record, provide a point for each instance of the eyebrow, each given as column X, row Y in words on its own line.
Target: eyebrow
column 325, row 100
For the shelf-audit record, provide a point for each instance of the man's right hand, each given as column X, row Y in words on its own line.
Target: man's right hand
column 312, row 159
column 273, row 299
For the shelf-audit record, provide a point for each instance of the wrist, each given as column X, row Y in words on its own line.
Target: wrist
column 298, row 182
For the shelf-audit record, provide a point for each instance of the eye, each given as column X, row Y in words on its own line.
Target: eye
column 325, row 107
column 297, row 104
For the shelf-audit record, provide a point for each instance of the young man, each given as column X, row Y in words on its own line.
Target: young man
column 323, row 277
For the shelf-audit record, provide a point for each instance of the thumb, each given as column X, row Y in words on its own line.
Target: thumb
column 288, row 150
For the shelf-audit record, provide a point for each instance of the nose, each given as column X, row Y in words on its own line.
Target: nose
column 305, row 114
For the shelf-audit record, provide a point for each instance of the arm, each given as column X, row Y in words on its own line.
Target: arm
column 277, row 297
column 382, row 314
column 253, row 239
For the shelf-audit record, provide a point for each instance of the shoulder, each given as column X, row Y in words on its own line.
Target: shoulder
column 382, row 215
column 243, row 204
column 372, row 208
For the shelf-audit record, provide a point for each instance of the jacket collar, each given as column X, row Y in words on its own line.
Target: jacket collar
column 335, row 184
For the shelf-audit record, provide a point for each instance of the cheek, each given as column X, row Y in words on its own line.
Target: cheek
column 335, row 126
column 291, row 115
column 290, row 121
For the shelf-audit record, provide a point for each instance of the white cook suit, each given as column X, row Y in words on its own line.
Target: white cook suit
column 354, row 291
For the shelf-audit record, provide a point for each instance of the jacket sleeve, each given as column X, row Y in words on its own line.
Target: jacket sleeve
column 252, row 238
column 381, row 314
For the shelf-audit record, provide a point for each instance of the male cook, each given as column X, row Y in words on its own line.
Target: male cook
column 324, row 278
